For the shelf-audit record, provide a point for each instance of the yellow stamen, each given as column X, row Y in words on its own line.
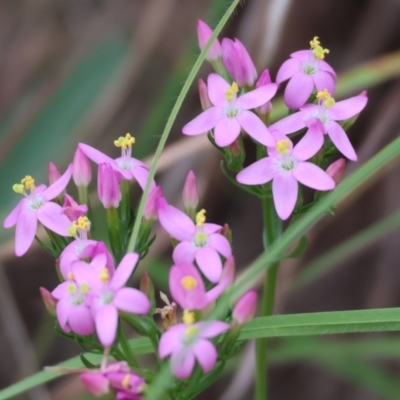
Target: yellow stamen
column 125, row 383
column 71, row 289
column 104, row 275
column 84, row 288
column 83, row 223
column 188, row 282
column 70, row 276
column 72, row 230
column 19, row 188
column 325, row 95
column 28, row 182
column 232, row 90
column 283, row 146
column 188, row 317
column 317, row 49
column 201, row 218
column 191, row 330
column 125, row 142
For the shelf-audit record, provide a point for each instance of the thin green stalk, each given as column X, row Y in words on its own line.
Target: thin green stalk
column 126, row 348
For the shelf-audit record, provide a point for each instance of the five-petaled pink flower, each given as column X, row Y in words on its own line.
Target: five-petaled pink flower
column 200, row 241
column 36, row 205
column 285, row 166
column 230, row 113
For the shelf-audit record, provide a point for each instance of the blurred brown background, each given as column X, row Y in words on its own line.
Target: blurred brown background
column 91, row 70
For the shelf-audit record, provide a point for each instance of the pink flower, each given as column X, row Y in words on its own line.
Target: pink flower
column 108, row 186
column 238, row 62
column 36, row 205
column 108, row 294
column 204, row 32
column 285, row 166
column 230, row 113
column 81, row 170
column 199, row 241
column 187, row 287
column 187, row 343
column 72, row 209
column 127, row 166
column 306, row 71
column 245, row 308
column 321, row 119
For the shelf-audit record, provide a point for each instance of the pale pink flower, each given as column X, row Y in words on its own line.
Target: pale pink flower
column 204, row 32
column 230, row 113
column 245, row 308
column 285, row 166
column 200, row 241
column 36, row 205
column 187, row 343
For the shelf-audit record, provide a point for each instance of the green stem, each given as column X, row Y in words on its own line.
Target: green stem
column 125, row 206
column 127, row 349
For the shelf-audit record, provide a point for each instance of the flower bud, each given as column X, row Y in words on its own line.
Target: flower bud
column 150, row 210
column 190, row 194
column 146, row 285
column 49, row 301
column 108, row 186
column 227, row 232
column 204, row 32
column 235, row 155
column 54, row 173
column 81, row 169
column 72, row 209
column 238, row 62
column 336, row 169
column 203, row 93
column 245, row 308
column 264, row 79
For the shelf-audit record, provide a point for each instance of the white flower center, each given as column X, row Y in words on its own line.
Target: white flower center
column 287, row 163
column 35, row 201
column 200, row 239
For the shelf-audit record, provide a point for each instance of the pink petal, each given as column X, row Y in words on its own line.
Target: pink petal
column 182, row 363
column 80, row 320
column 298, row 90
column 290, row 124
column 221, row 244
column 260, row 172
column 284, row 190
column 132, row 301
column 347, row 108
column 12, row 218
column 203, row 122
column 309, row 144
column 95, row 155
column 257, row 97
column 106, row 324
column 184, row 252
column 217, row 87
column 287, row 70
column 25, row 231
column 324, row 80
column 62, row 309
column 141, row 174
column 50, row 215
column 170, row 341
column 340, row 140
column 58, row 186
column 209, row 329
column 227, row 277
column 226, row 131
column 211, row 228
column 85, row 274
column 61, row 291
column 255, row 128
column 177, row 224
column 302, row 55
column 95, row 382
column 206, row 354
column 124, row 270
column 209, row 262
column 324, row 66
column 313, row 176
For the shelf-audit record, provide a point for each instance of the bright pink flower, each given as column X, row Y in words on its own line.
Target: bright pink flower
column 204, row 32
column 321, row 119
column 306, row 70
column 231, row 113
column 150, row 211
column 190, row 194
column 54, row 173
column 199, row 241
column 72, row 209
column 245, row 308
column 285, row 166
column 81, row 170
column 108, row 186
column 186, row 343
column 265, row 79
column 108, row 294
column 37, row 206
column 127, row 166
column 336, row 169
column 187, row 287
column 238, row 62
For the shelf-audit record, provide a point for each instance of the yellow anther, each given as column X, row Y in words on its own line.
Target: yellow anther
column 28, row 182
column 70, row 276
column 232, row 90
column 317, row 49
column 84, row 288
column 104, row 275
column 126, row 382
column 283, row 146
column 188, row 282
column 315, row 42
column 201, row 218
column 71, row 289
column 325, row 95
column 191, row 330
column 83, row 223
column 19, row 188
column 188, row 317
column 72, row 230
column 125, row 142
column 329, row 102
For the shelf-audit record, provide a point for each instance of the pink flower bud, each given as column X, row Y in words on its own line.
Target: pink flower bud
column 108, row 186
column 203, row 93
column 49, row 301
column 190, row 194
column 146, row 285
column 336, row 169
column 150, row 211
column 81, row 169
column 54, row 173
column 264, row 79
column 72, row 209
column 95, row 382
column 238, row 62
column 245, row 308
column 204, row 32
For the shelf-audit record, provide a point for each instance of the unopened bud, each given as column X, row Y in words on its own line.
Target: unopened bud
column 204, row 32
column 150, row 209
column 245, row 308
column 81, row 169
column 264, row 79
column 190, row 194
column 108, row 187
column 54, row 173
column 227, row 232
column 49, row 301
column 336, row 169
column 146, row 285
column 203, row 93
column 235, row 155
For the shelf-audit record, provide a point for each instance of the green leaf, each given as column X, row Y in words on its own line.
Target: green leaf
column 300, row 249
